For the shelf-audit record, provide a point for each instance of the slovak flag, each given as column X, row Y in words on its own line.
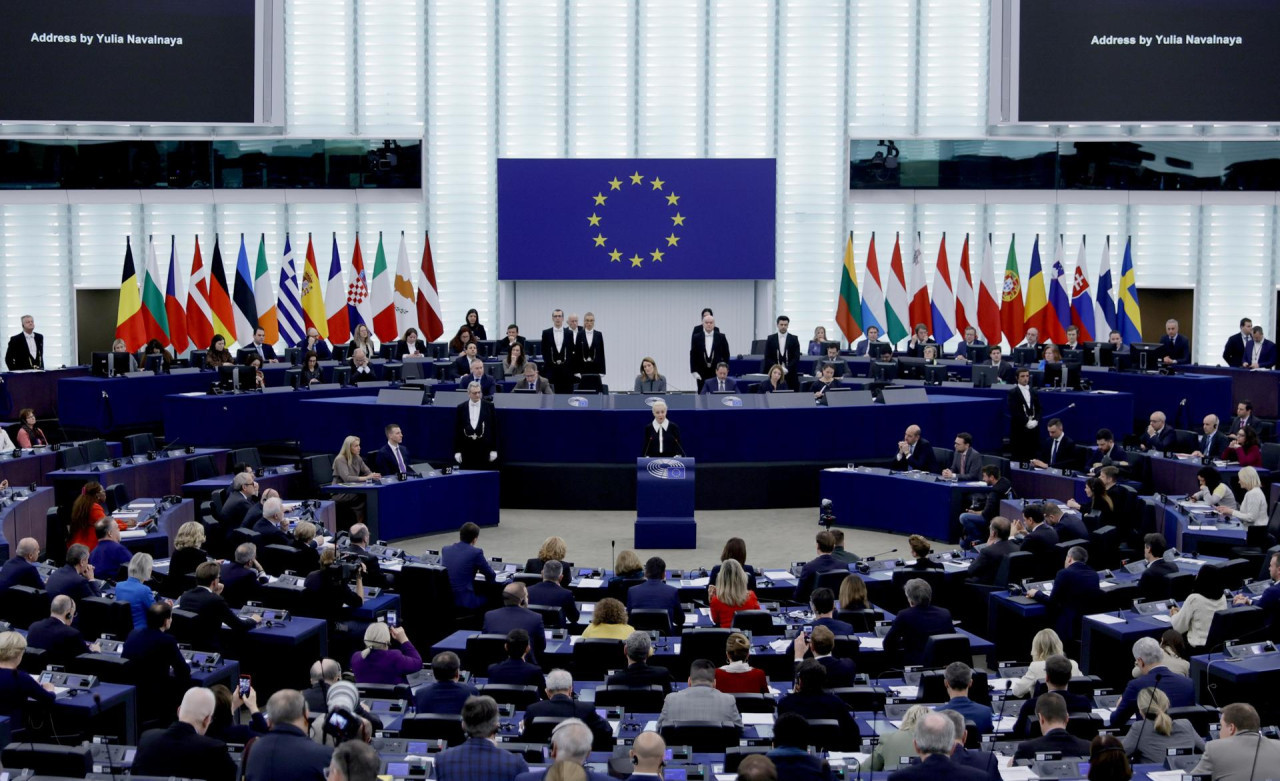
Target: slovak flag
column 1081, row 299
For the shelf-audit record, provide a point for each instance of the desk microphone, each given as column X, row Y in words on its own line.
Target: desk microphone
column 1151, row 705
column 881, row 553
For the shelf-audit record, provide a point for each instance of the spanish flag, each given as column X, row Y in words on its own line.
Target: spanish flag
column 313, row 294
column 129, row 324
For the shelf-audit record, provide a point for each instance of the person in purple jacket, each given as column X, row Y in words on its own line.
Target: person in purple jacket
column 388, row 656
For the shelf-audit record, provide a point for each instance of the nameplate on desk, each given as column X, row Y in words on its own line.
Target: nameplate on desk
column 139, row 374
column 324, row 386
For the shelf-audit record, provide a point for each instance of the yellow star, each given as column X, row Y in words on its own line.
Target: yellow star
column 600, row 198
column 636, row 260
column 615, row 256
column 599, row 240
column 673, row 199
column 637, row 178
column 673, row 240
column 593, row 219
column 615, row 184
column 657, row 255
column 657, row 183
column 676, row 220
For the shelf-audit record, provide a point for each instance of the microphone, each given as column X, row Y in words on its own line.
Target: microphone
column 676, row 439
column 1137, row 746
column 881, row 553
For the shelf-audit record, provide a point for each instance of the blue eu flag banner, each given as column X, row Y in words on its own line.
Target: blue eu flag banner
column 636, row 219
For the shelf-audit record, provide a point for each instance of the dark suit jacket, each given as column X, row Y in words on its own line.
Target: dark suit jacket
column 1178, row 348
column 976, row 712
column 983, row 761
column 235, row 508
column 19, row 572
column 163, row 673
column 972, row 465
column 487, row 385
column 792, row 364
column 270, row 534
column 239, row 584
column 823, row 705
column 286, row 753
column 989, row 559
column 564, row 360
column 185, row 560
column 922, row 458
column 712, row 385
column 977, row 352
column 798, row 765
column 823, row 562
column 17, row 357
column 505, row 346
column 1162, row 441
column 917, row 350
column 861, row 347
column 502, row 620
column 642, row 674
column 1266, row 356
column 657, row 595
column 61, row 643
column 590, row 361
column 936, row 767
column 443, row 697
column 65, row 580
column 1040, row 542
column 1217, row 443
column 840, row 672
column 1055, row 740
column 1238, row 423
column 912, row 627
column 517, row 672
column 181, row 751
column 555, row 595
column 671, row 445
column 1068, row 457
column 211, row 612
column 1180, row 689
column 999, row 492
column 1075, row 593
column 463, row 561
column 1069, row 527
column 1152, row 579
column 1233, row 352
column 385, row 460
column 475, row 452
column 1076, row 703
column 563, row 706
column 268, row 352
column 1019, row 411
column 699, row 362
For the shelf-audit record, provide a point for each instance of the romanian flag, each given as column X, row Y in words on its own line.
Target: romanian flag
column 224, row 320
column 1011, row 310
column 849, row 308
column 313, row 294
column 173, row 304
column 1037, row 305
column 129, row 325
column 1128, row 314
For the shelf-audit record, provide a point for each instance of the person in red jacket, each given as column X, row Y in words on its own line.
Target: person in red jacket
column 738, row 676
column 85, row 514
column 730, row 594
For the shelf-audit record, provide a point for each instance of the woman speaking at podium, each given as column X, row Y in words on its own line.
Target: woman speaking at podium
column 661, row 437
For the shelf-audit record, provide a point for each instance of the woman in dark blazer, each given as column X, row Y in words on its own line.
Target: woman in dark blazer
column 310, row 369
column 412, row 344
column 921, row 549
column 473, row 322
column 188, row 553
column 775, row 381
column 662, row 436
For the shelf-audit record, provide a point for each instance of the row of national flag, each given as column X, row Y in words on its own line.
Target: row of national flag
column 181, row 316
column 895, row 300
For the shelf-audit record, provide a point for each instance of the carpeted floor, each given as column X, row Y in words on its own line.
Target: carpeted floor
column 774, row 538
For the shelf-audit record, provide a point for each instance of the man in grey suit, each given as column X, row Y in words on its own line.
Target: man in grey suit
column 701, row 701
column 1240, row 751
column 966, row 463
column 532, row 380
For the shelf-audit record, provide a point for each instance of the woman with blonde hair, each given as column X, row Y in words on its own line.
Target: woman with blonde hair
column 609, row 619
column 627, row 567
column 730, row 594
column 899, row 743
column 853, row 594
column 18, row 689
column 349, row 467
column 388, row 656
column 1046, row 643
column 552, row 549
column 738, row 676
column 775, row 382
column 648, row 380
column 188, row 550
column 1253, row 508
column 361, row 339
column 1151, row 744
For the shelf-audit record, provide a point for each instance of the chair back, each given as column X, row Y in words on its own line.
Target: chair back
column 117, row 497
column 98, row 616
column 634, row 699
column 703, row 643
column 277, row 558
column 757, row 622
column 433, row 726
column 1084, row 725
column 22, row 606
column 831, row 580
column 539, row 729
column 484, row 650
column 709, row 737
column 139, row 444
column 48, row 759
column 1200, row 716
column 595, row 656
column 247, row 455
column 651, row 618
column 861, row 620
column 552, row 615
column 942, row 650
column 318, row 471
column 826, row 735
column 519, row 696
column 201, row 468
column 1014, row 568
column 861, row 698
column 96, row 450
column 1234, row 623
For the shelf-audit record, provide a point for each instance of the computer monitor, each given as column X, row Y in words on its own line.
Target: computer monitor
column 879, row 351
column 342, row 375
column 884, row 372
column 935, row 375
column 1024, row 355
column 109, row 364
column 196, row 359
column 984, row 375
column 293, row 355
column 340, row 352
column 154, row 364
column 390, row 351
column 1145, row 356
column 1060, row 374
column 240, row 378
column 243, row 354
column 1098, row 353
column 1073, row 356
column 910, row 368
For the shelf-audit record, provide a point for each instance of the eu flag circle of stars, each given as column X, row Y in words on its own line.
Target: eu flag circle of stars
column 617, row 256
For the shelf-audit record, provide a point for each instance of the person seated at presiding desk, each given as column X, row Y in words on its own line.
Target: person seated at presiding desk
column 1149, row 742
column 790, row 753
column 737, row 675
column 1159, row 437
column 548, row 592
column 966, row 463
column 1268, row 600
column 479, row 758
column 532, row 382
column 133, row 590
column 515, row 670
column 254, row 362
column 560, row 703
column 975, row 523
column 240, row 576
column 774, row 382
column 387, row 658
column 361, row 369
column 958, row 679
column 349, row 467
column 19, row 691
column 475, row 373
column 309, row 372
column 648, row 380
column 919, row 338
column 1057, row 671
column 1051, row 711
column 701, row 701
column 75, row 578
column 914, row 453
column 446, row 694
column 1149, row 658
column 934, row 740
column 654, row 593
column 463, row 560
column 515, row 614
column 313, row 343
column 212, row 611
column 998, row 547
column 1175, row 348
column 153, row 650
column 820, row 645
column 823, row 562
column 1006, row 372
column 514, row 362
column 860, row 349
column 183, row 749
column 1044, row 645
column 154, row 347
column 826, row 381
column 108, row 555
column 1244, row 448
column 287, row 752
column 970, row 347
column 61, row 641
column 393, row 457
column 21, row 569
column 721, row 382
column 361, row 339
column 1240, row 750
column 913, row 626
column 637, row 649
column 729, row 594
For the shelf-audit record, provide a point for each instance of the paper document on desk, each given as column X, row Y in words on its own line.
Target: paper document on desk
column 1201, row 528
column 780, row 645
column 591, row 583
column 974, row 484
column 1106, row 618
column 1103, row 713
column 906, row 691
column 587, row 607
column 616, row 726
column 778, row 575
column 846, row 757
column 706, row 611
column 1188, row 562
column 690, row 619
column 1163, row 617
column 1107, row 584
column 133, row 534
column 871, row 643
column 1005, row 723
column 651, row 726
column 1165, row 775
column 1016, row 773
column 757, row 718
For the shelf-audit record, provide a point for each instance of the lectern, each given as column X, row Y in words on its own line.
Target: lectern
column 664, row 503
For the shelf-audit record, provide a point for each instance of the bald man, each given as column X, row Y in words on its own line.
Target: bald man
column 648, row 753
column 183, row 749
column 1159, row 436
column 21, row 569
column 914, row 453
column 515, row 614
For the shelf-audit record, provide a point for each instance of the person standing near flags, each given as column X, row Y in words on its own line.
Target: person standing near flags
column 26, row 349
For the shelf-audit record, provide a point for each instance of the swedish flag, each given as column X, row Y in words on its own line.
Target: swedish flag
column 1128, row 313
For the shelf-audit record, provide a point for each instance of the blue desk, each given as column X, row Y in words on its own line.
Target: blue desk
column 243, row 419
column 161, row 477
column 280, row 657
column 1174, row 523
column 1178, row 475
column 287, row 483
column 1253, row 680
column 1092, row 410
column 23, row 517
column 100, row 405
column 159, row 543
column 427, row 505
column 1204, row 394
column 1047, row 484
column 877, row 498
column 1261, row 387
column 115, row 712
column 35, row 389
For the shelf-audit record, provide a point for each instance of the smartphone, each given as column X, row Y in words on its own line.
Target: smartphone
column 393, row 618
column 245, row 682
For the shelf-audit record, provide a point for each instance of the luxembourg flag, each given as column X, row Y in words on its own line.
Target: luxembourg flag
column 1058, row 317
column 966, row 306
column 944, row 299
column 1104, row 306
column 1081, row 300
column 873, row 295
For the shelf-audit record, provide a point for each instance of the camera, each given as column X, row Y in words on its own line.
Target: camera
column 342, row 725
column 345, row 567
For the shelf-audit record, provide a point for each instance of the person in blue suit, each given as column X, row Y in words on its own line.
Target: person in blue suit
column 263, row 350
column 464, row 560
column 393, row 457
column 873, row 335
column 914, row 453
column 655, row 593
column 721, row 382
column 958, row 678
column 515, row 614
column 75, row 578
column 970, row 348
column 1176, row 347
column 935, row 739
column 21, row 569
column 1268, row 600
column 1149, row 658
column 915, row 625
column 447, row 694
column 1158, row 437
column 514, row 670
column 479, row 758
column 109, row 554
column 1260, row 352
column 550, row 593
column 478, row 374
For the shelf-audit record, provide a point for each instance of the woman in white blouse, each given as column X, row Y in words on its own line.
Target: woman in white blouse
column 1046, row 643
column 1213, row 491
column 1196, row 614
column 1253, row 510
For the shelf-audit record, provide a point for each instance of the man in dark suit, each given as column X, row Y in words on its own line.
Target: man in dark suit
column 975, row 523
column 655, row 593
column 823, row 604
column 983, row 761
column 1212, row 441
column 515, row 614
column 721, row 382
column 707, row 349
column 589, row 346
column 75, row 578
column 1233, row 352
column 1038, row 539
column 464, row 560
column 260, row 348
column 183, row 749
column 1006, row 372
column 462, row 364
column 479, row 758
column 287, row 752
column 822, row 642
column 916, row 624
column 549, row 592
column 162, row 672
column 966, row 463
column 914, row 453
column 475, row 431
column 1158, row 437
column 1151, row 584
column 514, row 337
column 1075, row 592
column 1051, row 710
column 1058, row 451
column 559, row 353
column 935, row 739
column 212, row 611
column 21, row 569
column 648, row 753
column 919, row 339
column 790, row 758
column 823, row 562
column 1067, row 526
column 60, row 640
column 515, row 670
column 1268, row 600
column 1260, row 353
column 272, row 528
column 958, row 680
column 1107, row 453
column 560, row 704
column 1244, row 418
column 243, row 494
column 1176, row 347
column 783, row 349
column 998, row 547
column 447, row 694
column 637, row 648
column 1057, row 678
column 239, row 577
column 26, row 349
column 1024, row 416
column 861, row 348
column 476, row 373
column 970, row 348
column 358, row 544
column 393, row 458
column 1148, row 657
column 811, row 700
